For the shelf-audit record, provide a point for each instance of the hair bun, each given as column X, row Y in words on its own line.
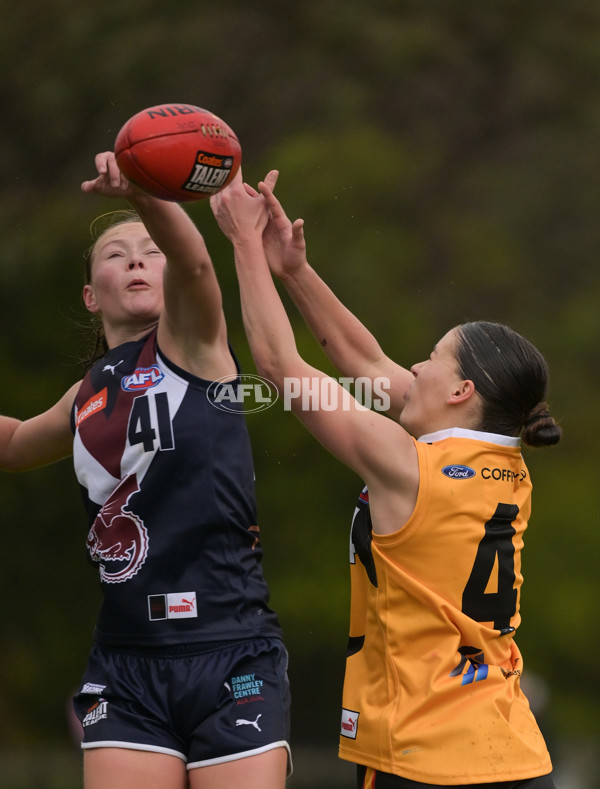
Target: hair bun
column 539, row 428
column 537, row 413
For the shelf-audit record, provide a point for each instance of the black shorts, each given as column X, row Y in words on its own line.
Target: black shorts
column 205, row 704
column 373, row 779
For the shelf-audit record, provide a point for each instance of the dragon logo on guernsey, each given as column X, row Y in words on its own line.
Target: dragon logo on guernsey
column 142, row 378
column 118, row 539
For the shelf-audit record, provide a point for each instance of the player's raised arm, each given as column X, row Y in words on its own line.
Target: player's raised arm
column 181, row 153
column 38, row 441
column 192, row 330
column 362, row 439
column 348, row 343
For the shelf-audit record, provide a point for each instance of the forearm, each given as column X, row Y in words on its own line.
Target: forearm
column 349, row 345
column 267, row 325
column 27, row 450
column 172, row 230
column 347, row 342
column 8, row 427
column 192, row 319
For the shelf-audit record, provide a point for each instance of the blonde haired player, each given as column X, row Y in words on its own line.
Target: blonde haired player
column 185, row 640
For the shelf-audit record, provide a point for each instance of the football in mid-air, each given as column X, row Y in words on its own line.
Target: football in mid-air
column 178, row 152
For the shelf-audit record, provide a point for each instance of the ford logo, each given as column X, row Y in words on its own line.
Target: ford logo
column 459, row 472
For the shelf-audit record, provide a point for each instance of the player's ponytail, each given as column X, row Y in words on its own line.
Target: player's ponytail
column 540, row 429
column 511, row 378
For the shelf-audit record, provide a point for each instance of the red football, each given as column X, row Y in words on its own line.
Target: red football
column 178, row 152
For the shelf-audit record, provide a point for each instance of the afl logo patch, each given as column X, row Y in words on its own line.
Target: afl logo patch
column 142, row 378
column 458, row 472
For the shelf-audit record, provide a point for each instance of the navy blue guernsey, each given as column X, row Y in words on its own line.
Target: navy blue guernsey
column 168, row 481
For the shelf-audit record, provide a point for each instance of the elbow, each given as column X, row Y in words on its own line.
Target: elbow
column 273, row 366
column 268, row 367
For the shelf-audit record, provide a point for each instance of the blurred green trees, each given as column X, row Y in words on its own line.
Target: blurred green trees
column 444, row 156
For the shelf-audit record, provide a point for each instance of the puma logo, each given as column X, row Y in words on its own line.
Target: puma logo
column 111, row 367
column 244, row 722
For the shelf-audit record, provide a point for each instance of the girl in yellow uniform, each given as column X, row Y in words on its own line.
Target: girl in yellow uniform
column 432, row 693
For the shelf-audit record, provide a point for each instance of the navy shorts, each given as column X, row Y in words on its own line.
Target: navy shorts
column 206, row 704
column 368, row 778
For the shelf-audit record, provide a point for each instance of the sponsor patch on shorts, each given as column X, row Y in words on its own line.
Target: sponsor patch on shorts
column 179, row 605
column 97, row 712
column 349, row 724
column 93, row 688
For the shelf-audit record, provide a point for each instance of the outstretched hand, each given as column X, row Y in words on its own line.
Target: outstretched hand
column 283, row 240
column 240, row 210
column 110, row 182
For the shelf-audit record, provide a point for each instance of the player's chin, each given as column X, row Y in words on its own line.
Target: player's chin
column 144, row 312
column 405, row 419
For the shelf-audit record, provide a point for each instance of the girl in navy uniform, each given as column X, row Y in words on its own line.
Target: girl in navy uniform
column 186, row 684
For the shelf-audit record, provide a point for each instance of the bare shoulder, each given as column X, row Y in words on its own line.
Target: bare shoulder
column 67, row 401
column 394, row 481
column 55, row 423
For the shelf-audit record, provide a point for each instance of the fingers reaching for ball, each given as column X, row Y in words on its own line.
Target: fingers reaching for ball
column 240, row 210
column 271, row 179
column 110, row 181
column 278, row 216
column 283, row 240
column 266, row 189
